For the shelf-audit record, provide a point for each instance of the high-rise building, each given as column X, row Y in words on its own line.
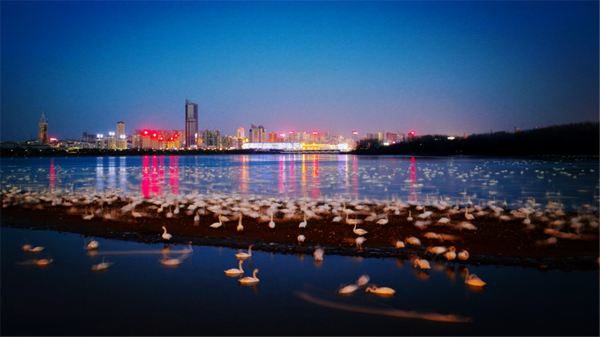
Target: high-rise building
column 157, row 139
column 212, row 139
column 88, row 137
column 121, row 136
column 257, row 134
column 273, row 137
column 191, row 123
column 380, row 136
column 43, row 130
column 240, row 133
column 111, row 140
column 391, row 138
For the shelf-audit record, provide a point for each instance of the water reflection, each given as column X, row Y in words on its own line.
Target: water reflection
column 354, row 177
column 320, row 175
column 303, row 181
column 123, row 174
column 51, row 177
column 413, row 180
column 112, row 176
column 315, row 191
column 281, row 180
column 244, row 174
column 153, row 176
column 174, row 174
column 99, row 174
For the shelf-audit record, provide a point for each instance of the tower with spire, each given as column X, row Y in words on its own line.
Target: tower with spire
column 43, row 130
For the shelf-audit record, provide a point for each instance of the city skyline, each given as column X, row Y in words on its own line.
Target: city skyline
column 302, row 66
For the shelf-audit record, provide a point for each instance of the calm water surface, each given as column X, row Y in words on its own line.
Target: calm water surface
column 137, row 295
column 571, row 181
column 140, row 296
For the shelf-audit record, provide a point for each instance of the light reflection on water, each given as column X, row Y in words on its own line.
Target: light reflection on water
column 416, row 179
column 137, row 295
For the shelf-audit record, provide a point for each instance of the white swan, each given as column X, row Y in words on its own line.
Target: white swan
column 413, row 241
column 421, row 264
column 468, row 216
column 359, row 231
column 474, row 280
column 303, row 223
column 92, row 245
column 250, row 280
column 217, row 224
column 243, row 255
column 348, row 289
column 102, row 266
column 363, row 280
column 381, row 291
column 42, row 262
column 172, row 262
column 240, row 227
column 301, row 238
column 437, row 250
column 165, row 235
column 463, row 255
column 271, row 223
column 36, row 249
column 451, row 254
column 235, row 271
column 318, row 254
column 383, row 221
column 359, row 241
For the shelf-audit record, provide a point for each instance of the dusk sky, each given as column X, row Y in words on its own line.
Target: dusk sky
column 437, row 67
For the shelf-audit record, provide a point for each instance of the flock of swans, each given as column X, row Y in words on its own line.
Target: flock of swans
column 440, row 219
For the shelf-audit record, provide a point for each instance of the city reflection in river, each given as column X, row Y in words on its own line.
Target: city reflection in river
column 317, row 176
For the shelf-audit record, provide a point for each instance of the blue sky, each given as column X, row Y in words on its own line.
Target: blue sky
column 437, row 67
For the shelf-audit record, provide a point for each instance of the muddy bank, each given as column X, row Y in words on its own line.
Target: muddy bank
column 494, row 241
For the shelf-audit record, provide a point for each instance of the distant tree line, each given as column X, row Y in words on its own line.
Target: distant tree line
column 569, row 139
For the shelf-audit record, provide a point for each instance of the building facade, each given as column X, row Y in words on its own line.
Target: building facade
column 121, row 136
column 257, row 134
column 157, row 139
column 191, row 123
column 43, row 130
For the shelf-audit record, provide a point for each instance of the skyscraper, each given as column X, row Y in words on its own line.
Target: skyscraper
column 43, row 130
column 257, row 134
column 191, row 123
column 240, row 133
column 121, row 136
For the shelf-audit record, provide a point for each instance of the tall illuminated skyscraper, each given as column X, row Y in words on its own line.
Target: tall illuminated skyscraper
column 43, row 130
column 191, row 123
column 121, row 136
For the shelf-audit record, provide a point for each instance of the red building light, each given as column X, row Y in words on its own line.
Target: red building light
column 145, row 132
column 412, row 133
column 161, row 138
column 154, row 135
column 354, row 132
column 315, row 133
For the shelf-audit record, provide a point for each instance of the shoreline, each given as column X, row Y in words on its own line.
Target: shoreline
column 494, row 242
column 53, row 153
